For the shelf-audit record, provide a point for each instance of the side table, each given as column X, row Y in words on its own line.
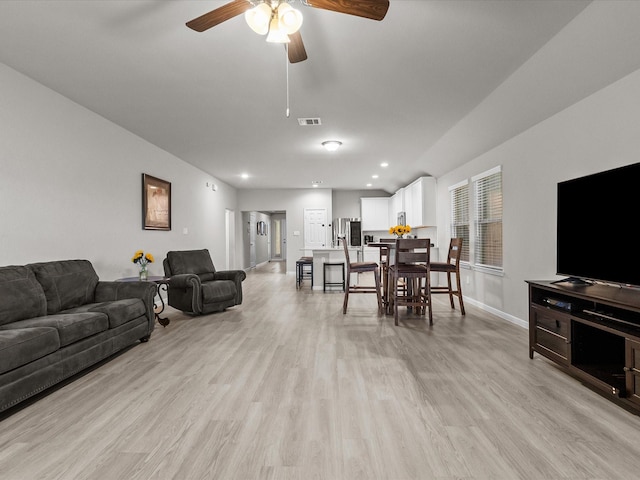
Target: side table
column 161, row 285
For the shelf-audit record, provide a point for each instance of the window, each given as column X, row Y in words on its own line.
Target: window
column 459, row 199
column 488, row 219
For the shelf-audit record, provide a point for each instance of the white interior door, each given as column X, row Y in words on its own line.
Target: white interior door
column 230, row 229
column 283, row 237
column 252, row 240
column 315, row 228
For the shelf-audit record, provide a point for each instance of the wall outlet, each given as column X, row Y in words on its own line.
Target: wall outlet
column 185, row 231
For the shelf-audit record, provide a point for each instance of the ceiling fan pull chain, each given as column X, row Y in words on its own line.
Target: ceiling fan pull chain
column 286, row 62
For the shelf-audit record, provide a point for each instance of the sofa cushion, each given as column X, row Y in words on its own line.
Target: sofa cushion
column 122, row 311
column 197, row 262
column 66, row 283
column 21, row 296
column 118, row 312
column 218, row 291
column 20, row 346
column 71, row 327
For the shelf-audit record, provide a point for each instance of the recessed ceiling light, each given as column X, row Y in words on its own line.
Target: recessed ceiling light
column 369, row 184
column 374, row 176
column 245, row 175
column 384, row 164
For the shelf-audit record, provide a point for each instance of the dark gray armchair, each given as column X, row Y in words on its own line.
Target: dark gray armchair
column 196, row 287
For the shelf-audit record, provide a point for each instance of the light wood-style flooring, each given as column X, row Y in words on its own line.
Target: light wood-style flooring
column 287, row 387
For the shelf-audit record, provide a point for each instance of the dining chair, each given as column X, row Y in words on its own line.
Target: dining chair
column 451, row 266
column 410, row 283
column 384, row 269
column 361, row 267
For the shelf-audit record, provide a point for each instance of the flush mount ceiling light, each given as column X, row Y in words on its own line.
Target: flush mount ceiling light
column 331, row 145
column 276, row 19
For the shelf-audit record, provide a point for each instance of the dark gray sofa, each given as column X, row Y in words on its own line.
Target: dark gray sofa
column 195, row 286
column 57, row 318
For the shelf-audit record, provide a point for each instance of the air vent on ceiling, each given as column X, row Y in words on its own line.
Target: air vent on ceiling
column 309, row 121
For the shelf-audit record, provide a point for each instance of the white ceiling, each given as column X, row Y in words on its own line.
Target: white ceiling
column 390, row 91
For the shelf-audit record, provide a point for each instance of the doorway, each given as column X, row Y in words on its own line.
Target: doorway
column 278, row 237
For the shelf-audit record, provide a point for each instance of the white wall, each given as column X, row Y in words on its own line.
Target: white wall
column 592, row 65
column 346, row 203
column 598, row 133
column 70, row 187
column 292, row 202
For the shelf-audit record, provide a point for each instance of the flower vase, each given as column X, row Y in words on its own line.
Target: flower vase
column 143, row 273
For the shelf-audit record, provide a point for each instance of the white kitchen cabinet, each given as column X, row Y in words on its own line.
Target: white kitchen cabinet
column 420, row 202
column 375, row 213
column 396, row 205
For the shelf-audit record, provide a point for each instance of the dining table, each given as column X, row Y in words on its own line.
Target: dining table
column 387, row 259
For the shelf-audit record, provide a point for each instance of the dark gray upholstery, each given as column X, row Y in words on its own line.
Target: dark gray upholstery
column 20, row 346
column 66, row 284
column 57, row 318
column 21, row 296
column 196, row 287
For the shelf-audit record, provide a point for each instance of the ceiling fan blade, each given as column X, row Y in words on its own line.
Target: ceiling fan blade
column 295, row 48
column 373, row 9
column 219, row 15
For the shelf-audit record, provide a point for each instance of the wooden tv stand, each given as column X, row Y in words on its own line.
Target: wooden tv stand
column 591, row 330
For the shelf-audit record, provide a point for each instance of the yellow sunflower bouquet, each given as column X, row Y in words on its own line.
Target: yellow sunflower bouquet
column 400, row 230
column 142, row 259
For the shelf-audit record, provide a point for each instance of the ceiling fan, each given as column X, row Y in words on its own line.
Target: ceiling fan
column 281, row 22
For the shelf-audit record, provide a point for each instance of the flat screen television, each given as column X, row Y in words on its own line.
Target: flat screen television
column 597, row 218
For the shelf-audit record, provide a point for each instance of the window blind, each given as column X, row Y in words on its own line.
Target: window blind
column 488, row 219
column 459, row 201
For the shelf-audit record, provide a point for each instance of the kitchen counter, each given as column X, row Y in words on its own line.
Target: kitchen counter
column 330, row 255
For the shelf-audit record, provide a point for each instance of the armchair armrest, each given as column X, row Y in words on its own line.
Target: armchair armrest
column 236, row 276
column 185, row 280
column 232, row 275
column 146, row 291
column 184, row 292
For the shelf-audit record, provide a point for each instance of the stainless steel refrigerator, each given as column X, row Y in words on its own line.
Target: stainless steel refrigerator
column 348, row 228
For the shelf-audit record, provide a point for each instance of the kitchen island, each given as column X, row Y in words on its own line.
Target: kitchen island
column 330, row 255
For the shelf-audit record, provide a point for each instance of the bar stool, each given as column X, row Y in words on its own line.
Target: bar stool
column 451, row 266
column 384, row 267
column 304, row 268
column 361, row 267
column 410, row 277
column 326, row 283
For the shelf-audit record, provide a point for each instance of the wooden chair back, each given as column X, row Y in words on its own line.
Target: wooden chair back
column 415, row 251
column 455, row 250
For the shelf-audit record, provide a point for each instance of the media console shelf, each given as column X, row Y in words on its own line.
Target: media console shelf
column 591, row 330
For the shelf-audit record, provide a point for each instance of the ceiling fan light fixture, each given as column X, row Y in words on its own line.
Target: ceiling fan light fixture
column 289, row 19
column 258, row 18
column 331, row 145
column 276, row 34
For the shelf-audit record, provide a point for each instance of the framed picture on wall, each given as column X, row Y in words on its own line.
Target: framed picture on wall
column 156, row 203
